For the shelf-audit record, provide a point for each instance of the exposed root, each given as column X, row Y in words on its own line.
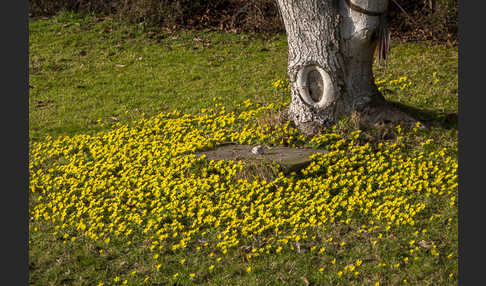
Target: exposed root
column 376, row 113
column 383, row 112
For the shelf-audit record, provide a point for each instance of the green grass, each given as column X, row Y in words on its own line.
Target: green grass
column 125, row 73
column 83, row 70
column 89, row 75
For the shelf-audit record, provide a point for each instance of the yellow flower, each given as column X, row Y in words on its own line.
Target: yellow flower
column 192, row 275
column 142, row 177
column 248, row 269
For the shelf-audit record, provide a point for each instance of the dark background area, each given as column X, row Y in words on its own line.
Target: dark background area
column 409, row 20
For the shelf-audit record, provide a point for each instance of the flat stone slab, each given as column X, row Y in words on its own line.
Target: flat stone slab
column 290, row 159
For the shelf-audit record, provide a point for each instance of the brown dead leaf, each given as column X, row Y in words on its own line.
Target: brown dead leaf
column 43, row 103
column 305, row 280
column 123, row 263
column 297, row 247
column 425, row 244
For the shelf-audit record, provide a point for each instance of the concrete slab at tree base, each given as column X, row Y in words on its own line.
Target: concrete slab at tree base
column 290, row 159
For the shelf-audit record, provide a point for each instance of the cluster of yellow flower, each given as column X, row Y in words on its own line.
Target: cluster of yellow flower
column 282, row 84
column 145, row 180
column 387, row 82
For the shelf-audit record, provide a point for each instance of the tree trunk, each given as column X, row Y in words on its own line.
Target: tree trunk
column 330, row 57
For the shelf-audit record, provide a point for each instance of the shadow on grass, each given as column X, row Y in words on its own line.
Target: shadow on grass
column 430, row 117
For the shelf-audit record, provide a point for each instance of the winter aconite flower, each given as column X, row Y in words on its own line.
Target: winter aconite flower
column 144, row 181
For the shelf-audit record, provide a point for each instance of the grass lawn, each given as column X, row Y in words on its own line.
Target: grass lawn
column 117, row 196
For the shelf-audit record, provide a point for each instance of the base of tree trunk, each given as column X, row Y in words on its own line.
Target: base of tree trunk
column 380, row 111
column 377, row 112
column 330, row 62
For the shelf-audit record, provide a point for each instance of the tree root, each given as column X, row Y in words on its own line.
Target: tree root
column 380, row 111
column 376, row 113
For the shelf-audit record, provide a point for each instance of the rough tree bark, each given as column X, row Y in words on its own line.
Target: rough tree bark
column 330, row 57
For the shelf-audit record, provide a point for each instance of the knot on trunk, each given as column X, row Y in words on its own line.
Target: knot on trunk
column 315, row 86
